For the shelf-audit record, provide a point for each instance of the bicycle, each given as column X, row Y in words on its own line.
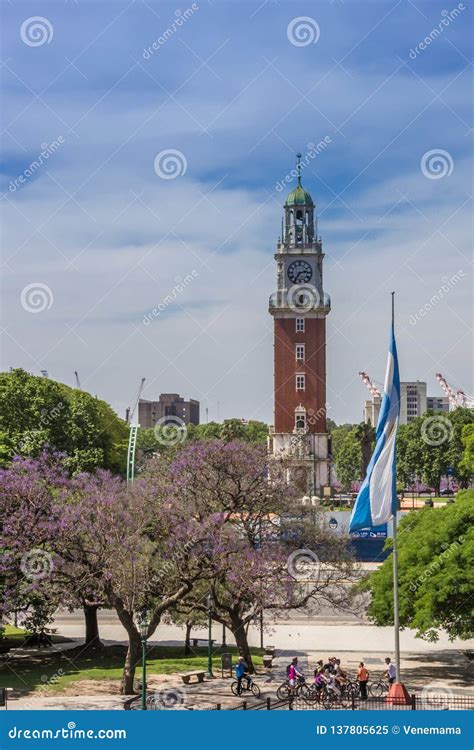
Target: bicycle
column 247, row 684
column 379, row 688
column 285, row 691
column 331, row 700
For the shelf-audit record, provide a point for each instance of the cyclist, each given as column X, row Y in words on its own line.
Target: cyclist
column 340, row 675
column 241, row 673
column 391, row 670
column 293, row 672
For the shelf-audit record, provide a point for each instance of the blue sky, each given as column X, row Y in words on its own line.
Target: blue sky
column 110, row 238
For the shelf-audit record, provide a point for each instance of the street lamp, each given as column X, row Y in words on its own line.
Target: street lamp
column 210, row 604
column 143, row 625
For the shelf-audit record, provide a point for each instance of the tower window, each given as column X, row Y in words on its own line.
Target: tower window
column 300, row 382
column 300, row 324
column 300, row 352
column 300, row 420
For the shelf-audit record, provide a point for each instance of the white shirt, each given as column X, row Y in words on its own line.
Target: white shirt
column 392, row 672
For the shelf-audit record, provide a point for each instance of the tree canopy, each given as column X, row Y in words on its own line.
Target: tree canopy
column 436, row 572
column 37, row 413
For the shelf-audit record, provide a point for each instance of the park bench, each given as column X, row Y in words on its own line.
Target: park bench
column 204, row 640
column 268, row 661
column 186, row 676
column 51, row 631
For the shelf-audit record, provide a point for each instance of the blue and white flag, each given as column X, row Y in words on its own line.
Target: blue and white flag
column 377, row 498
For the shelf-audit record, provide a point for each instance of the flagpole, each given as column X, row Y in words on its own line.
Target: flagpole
column 396, row 621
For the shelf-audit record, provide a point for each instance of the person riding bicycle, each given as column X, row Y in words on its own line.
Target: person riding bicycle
column 293, row 672
column 339, row 674
column 241, row 673
column 330, row 665
column 391, row 670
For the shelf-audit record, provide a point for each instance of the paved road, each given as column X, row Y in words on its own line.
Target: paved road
column 324, row 633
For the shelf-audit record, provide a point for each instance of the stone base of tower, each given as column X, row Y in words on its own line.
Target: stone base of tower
column 306, row 459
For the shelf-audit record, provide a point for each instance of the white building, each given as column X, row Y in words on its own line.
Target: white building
column 413, row 403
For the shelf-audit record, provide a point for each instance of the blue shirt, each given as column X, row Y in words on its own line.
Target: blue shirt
column 240, row 668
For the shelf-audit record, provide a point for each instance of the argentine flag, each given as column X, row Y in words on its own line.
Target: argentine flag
column 377, row 498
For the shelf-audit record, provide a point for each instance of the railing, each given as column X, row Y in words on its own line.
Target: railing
column 415, row 702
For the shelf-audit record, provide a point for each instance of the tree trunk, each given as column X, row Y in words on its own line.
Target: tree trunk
column 240, row 635
column 131, row 661
column 92, row 626
column 187, row 639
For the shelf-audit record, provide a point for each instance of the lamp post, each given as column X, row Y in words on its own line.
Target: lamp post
column 210, row 604
column 144, row 625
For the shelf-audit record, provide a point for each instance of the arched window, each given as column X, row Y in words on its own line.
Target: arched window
column 300, row 418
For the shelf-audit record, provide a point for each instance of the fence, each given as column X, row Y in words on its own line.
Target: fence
column 416, row 702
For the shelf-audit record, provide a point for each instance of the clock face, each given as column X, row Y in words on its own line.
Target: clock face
column 299, row 272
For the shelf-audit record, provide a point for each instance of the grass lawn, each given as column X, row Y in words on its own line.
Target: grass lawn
column 36, row 672
column 15, row 637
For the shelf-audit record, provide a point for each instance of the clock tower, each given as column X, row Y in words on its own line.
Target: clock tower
column 299, row 308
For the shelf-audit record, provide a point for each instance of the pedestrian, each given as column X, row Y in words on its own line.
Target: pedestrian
column 391, row 671
column 362, row 678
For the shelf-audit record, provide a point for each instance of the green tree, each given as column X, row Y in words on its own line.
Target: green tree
column 37, row 413
column 431, row 445
column 349, row 459
column 365, row 435
column 436, row 572
column 467, row 439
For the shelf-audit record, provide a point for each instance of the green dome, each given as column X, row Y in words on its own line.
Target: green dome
column 299, row 196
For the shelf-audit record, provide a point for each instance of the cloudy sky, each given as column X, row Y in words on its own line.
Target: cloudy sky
column 104, row 226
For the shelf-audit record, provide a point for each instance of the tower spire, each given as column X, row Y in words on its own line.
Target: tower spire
column 298, row 167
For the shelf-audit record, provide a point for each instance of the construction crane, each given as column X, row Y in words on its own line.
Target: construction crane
column 455, row 398
column 78, row 382
column 370, row 384
column 130, row 411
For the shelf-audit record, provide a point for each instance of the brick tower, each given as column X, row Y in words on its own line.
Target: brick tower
column 299, row 308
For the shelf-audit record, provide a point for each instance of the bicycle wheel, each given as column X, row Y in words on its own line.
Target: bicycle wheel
column 376, row 689
column 255, row 690
column 235, row 687
column 329, row 699
column 302, row 691
column 311, row 694
column 345, row 698
column 282, row 692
